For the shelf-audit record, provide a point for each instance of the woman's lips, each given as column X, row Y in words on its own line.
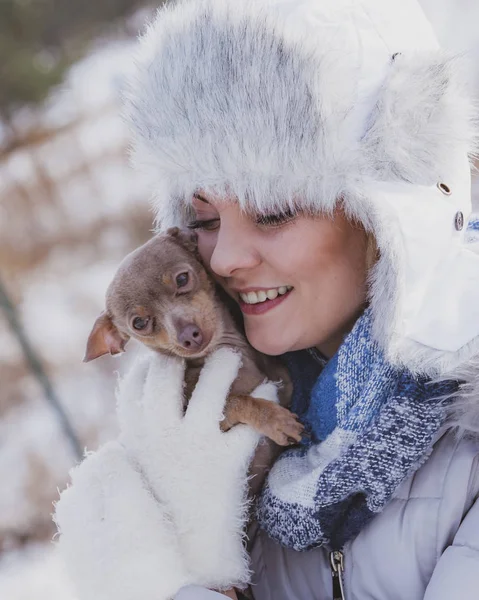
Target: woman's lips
column 261, row 307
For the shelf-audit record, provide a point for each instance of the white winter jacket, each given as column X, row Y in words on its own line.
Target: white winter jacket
column 423, row 546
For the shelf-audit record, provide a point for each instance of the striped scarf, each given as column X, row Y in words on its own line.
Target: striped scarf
column 370, row 426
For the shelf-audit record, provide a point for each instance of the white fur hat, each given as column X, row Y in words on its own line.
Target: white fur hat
column 275, row 100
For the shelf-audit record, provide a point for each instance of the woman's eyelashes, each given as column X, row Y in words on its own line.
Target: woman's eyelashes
column 275, row 220
column 271, row 220
column 205, row 224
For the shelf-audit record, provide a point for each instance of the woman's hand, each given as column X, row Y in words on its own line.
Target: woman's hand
column 197, row 471
column 165, row 506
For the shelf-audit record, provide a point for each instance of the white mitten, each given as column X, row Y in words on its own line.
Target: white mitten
column 198, row 471
column 116, row 538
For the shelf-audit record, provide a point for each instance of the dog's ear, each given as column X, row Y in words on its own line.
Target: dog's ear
column 188, row 239
column 104, row 339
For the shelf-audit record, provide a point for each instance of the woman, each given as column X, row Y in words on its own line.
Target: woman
column 320, row 149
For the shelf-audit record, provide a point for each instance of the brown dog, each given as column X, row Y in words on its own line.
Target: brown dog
column 162, row 296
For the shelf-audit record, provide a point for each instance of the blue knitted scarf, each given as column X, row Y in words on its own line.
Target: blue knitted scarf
column 370, row 426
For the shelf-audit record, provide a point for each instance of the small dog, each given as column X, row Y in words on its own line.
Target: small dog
column 162, row 296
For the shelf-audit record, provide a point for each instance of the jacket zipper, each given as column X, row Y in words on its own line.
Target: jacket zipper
column 336, row 558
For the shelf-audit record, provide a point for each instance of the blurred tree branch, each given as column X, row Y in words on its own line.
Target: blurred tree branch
column 37, row 369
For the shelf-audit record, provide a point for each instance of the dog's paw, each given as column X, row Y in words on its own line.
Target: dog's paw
column 280, row 425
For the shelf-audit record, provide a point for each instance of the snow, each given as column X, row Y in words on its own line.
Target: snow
column 58, row 304
column 35, row 573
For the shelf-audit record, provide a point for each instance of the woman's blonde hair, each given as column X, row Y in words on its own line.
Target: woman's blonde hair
column 372, row 251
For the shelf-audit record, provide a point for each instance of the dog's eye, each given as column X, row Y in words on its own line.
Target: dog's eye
column 182, row 279
column 140, row 323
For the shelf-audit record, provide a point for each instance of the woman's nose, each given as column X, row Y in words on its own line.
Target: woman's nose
column 233, row 250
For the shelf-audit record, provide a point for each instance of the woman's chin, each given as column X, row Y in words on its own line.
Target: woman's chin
column 270, row 345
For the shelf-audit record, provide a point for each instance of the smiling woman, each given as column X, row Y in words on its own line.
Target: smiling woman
column 320, row 149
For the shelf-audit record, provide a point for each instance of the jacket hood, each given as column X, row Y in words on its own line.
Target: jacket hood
column 281, row 103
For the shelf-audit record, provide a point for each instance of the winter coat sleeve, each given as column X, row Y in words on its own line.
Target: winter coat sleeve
column 116, row 539
column 457, row 572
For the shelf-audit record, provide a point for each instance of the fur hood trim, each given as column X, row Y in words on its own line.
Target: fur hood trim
column 284, row 104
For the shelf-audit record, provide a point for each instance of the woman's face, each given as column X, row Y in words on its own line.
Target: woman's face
column 300, row 282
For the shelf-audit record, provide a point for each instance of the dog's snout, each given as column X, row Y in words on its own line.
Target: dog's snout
column 190, row 337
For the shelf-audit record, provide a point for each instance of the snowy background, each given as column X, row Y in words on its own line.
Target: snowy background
column 70, row 209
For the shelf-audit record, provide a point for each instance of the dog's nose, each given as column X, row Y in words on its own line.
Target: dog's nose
column 190, row 337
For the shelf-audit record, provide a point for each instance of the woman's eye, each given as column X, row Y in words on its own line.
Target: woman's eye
column 182, row 279
column 275, row 219
column 207, row 224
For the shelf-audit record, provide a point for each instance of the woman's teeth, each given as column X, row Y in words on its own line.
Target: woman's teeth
column 263, row 295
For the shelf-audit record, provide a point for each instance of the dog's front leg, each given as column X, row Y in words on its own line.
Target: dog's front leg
column 270, row 419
